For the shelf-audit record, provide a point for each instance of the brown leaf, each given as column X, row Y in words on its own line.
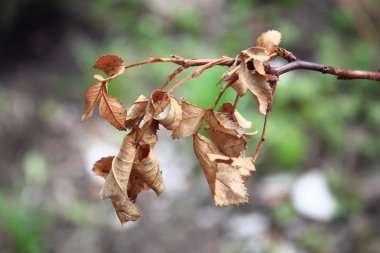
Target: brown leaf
column 258, row 86
column 269, row 40
column 257, row 53
column 202, row 147
column 259, row 67
column 146, row 164
column 174, row 116
column 191, row 120
column 125, row 209
column 123, row 162
column 112, row 110
column 229, row 186
column 137, row 111
column 230, row 145
column 109, row 64
column 136, row 185
column 239, row 87
column 221, row 122
column 91, row 98
column 236, row 116
column 103, row 166
column 158, row 102
column 244, row 165
column 150, row 134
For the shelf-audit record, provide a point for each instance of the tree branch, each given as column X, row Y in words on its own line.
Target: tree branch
column 325, row 69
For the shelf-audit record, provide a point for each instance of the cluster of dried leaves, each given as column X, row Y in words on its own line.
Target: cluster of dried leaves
column 222, row 156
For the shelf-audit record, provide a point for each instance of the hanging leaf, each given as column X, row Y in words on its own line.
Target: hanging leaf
column 221, row 122
column 257, row 53
column 202, row 147
column 146, row 164
column 125, row 209
column 191, row 120
column 103, row 166
column 109, row 64
column 244, row 165
column 229, row 186
column 158, row 102
column 258, row 86
column 112, row 110
column 91, row 98
column 123, row 162
column 235, row 115
column 269, row 40
column 230, row 145
column 137, row 111
column 174, row 116
column 136, row 185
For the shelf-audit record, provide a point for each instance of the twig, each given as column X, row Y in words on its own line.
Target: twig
column 262, row 139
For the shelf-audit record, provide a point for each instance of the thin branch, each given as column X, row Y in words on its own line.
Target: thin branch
column 262, row 139
column 325, row 69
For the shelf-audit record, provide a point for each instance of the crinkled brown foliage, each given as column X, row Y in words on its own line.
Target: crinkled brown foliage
column 222, row 156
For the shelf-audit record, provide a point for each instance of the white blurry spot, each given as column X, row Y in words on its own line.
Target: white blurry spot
column 275, row 188
column 208, row 217
column 165, row 112
column 312, row 198
column 247, row 226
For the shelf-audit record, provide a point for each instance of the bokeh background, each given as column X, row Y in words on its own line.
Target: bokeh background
column 317, row 185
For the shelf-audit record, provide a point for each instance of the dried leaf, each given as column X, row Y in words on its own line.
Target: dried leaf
column 257, row 53
column 221, row 122
column 174, row 117
column 150, row 134
column 244, row 165
column 137, row 111
column 123, row 162
column 103, row 166
column 239, row 87
column 269, row 40
column 236, row 116
column 230, row 145
column 112, row 110
column 136, row 185
column 202, row 147
column 109, row 64
column 125, row 209
column 259, row 67
column 191, row 120
column 146, row 164
column 91, row 98
column 258, row 86
column 229, row 186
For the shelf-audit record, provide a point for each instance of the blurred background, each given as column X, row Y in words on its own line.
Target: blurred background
column 317, row 185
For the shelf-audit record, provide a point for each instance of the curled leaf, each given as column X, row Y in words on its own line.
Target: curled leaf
column 109, row 64
column 174, row 116
column 191, row 120
column 221, row 122
column 103, row 166
column 236, row 116
column 91, row 98
column 123, row 162
column 269, row 40
column 258, row 86
column 230, row 145
column 146, row 164
column 244, row 165
column 137, row 111
column 136, row 185
column 257, row 53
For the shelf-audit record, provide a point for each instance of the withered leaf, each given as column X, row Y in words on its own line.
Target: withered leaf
column 257, row 53
column 229, row 186
column 269, row 40
column 174, row 116
column 91, row 98
column 236, row 116
column 146, row 164
column 244, row 165
column 220, row 121
column 150, row 134
column 231, row 145
column 109, row 64
column 191, row 120
column 136, row 185
column 137, row 111
column 123, row 162
column 258, row 86
column 112, row 110
column 103, row 166
column 202, row 147
column 239, row 87
column 259, row 67
column 158, row 102
column 125, row 209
